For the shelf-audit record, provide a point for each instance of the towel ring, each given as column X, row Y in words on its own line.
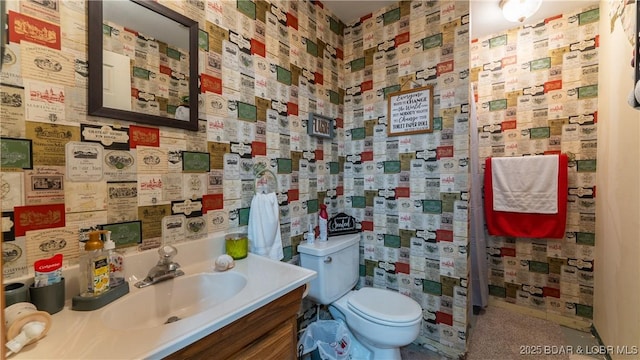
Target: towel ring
column 263, row 184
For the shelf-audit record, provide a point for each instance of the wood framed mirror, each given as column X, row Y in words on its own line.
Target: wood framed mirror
column 143, row 63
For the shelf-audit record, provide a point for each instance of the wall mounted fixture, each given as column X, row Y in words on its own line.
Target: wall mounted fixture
column 135, row 96
column 519, row 10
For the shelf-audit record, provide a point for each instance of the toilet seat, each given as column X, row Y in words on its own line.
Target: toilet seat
column 385, row 307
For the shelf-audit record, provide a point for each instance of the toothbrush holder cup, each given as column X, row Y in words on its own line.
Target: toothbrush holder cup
column 48, row 298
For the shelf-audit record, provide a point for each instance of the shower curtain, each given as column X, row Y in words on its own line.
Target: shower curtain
column 478, row 251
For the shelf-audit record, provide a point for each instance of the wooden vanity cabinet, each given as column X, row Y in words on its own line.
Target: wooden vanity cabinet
column 269, row 332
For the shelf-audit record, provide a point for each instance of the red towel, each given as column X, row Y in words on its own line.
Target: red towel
column 529, row 225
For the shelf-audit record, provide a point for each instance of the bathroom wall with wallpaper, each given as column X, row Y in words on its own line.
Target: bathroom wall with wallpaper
column 410, row 191
column 536, row 87
column 281, row 60
column 284, row 60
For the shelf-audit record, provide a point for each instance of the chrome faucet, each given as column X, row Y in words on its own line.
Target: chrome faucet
column 165, row 269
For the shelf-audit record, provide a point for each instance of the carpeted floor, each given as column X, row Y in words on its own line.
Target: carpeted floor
column 504, row 334
column 501, row 334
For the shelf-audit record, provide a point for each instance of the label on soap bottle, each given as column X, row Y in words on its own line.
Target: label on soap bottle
column 100, row 275
column 116, row 269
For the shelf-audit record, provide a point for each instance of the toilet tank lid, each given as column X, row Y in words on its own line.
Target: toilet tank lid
column 334, row 244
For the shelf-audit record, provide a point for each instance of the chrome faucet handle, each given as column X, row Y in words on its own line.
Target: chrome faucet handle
column 165, row 269
column 167, row 252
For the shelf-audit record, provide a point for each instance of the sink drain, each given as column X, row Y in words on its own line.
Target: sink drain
column 172, row 320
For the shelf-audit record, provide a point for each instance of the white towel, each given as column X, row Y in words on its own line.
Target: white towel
column 264, row 227
column 526, row 184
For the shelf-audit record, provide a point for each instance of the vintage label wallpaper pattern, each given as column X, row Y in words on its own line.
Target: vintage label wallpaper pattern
column 536, row 88
column 410, row 192
column 264, row 68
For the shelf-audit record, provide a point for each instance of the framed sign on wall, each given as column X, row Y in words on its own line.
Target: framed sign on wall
column 410, row 111
column 320, row 126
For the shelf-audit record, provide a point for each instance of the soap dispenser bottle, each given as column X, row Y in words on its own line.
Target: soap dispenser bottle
column 94, row 267
column 311, row 235
column 116, row 261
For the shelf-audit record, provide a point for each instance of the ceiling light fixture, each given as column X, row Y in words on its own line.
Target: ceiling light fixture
column 519, row 10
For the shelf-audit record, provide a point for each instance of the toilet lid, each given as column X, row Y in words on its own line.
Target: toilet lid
column 385, row 306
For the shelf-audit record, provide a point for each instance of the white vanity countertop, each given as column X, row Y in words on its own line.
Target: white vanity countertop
column 83, row 335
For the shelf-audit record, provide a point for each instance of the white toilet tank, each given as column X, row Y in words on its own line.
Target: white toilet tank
column 337, row 263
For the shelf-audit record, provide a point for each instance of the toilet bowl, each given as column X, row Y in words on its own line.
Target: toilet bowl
column 381, row 320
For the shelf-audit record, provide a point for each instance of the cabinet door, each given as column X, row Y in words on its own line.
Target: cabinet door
column 273, row 325
column 278, row 344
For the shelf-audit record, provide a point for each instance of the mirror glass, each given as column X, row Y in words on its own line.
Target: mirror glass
column 143, row 63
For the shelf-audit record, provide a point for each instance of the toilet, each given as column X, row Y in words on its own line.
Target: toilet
column 381, row 320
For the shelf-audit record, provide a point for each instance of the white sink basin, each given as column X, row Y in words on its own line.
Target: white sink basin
column 172, row 300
